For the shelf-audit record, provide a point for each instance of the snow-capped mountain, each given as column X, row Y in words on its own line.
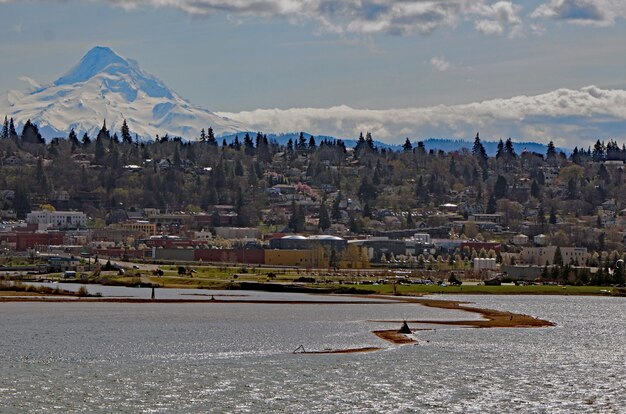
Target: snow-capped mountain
column 106, row 86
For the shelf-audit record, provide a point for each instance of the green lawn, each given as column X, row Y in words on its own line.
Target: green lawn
column 491, row 290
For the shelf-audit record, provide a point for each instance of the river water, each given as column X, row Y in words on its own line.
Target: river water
column 236, row 358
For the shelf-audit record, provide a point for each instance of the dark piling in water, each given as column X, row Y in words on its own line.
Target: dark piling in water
column 405, row 329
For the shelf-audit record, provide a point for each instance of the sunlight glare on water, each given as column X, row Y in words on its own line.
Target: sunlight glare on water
column 236, row 358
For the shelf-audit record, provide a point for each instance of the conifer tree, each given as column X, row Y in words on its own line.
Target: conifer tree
column 210, row 138
column 370, row 141
column 500, row 188
column 509, row 150
column 407, row 146
column 5, row 129
column 552, row 218
column 324, row 221
column 410, row 223
column 301, row 144
column 558, row 257
column 103, row 133
column 12, row 132
column 500, row 150
column 125, row 132
column 30, row 134
column 478, row 150
column 86, row 140
column 551, row 151
column 73, row 140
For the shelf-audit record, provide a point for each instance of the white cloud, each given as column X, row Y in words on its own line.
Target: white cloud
column 587, row 12
column 359, row 17
column 578, row 116
column 498, row 17
column 440, row 64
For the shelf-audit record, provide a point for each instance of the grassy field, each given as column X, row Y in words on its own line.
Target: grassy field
column 487, row 290
column 222, row 281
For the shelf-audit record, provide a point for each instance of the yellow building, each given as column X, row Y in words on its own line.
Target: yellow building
column 311, row 258
column 145, row 227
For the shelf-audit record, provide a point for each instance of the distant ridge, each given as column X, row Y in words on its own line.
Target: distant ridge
column 435, row 144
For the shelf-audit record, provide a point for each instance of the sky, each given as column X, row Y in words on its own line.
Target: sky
column 532, row 70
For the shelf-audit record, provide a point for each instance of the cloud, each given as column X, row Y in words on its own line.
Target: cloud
column 574, row 117
column 587, row 12
column 498, row 17
column 440, row 64
column 355, row 17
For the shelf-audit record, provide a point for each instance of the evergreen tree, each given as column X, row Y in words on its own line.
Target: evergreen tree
column 297, row 219
column 598, row 153
column 12, row 132
column 103, row 134
column 202, row 136
column 248, row 145
column 572, row 189
column 500, row 187
column 336, row 211
column 576, row 156
column 535, row 190
column 301, row 144
column 125, row 132
column 100, row 151
column 500, row 150
column 324, row 219
column 30, row 134
column 552, row 219
column 509, row 150
column 478, row 150
column 86, row 140
column 21, row 202
column 551, row 151
column 210, row 137
column 73, row 140
column 5, row 128
column 312, row 143
column 558, row 257
column 409, row 220
column 407, row 145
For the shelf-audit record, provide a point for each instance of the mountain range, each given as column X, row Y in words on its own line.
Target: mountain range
column 106, row 86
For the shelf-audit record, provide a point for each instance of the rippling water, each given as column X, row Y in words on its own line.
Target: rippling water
column 116, row 357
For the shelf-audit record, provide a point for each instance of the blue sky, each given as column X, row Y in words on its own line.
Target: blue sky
column 234, row 56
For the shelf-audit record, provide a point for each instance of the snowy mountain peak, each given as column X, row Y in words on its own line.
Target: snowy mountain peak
column 95, row 61
column 105, row 85
column 130, row 78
